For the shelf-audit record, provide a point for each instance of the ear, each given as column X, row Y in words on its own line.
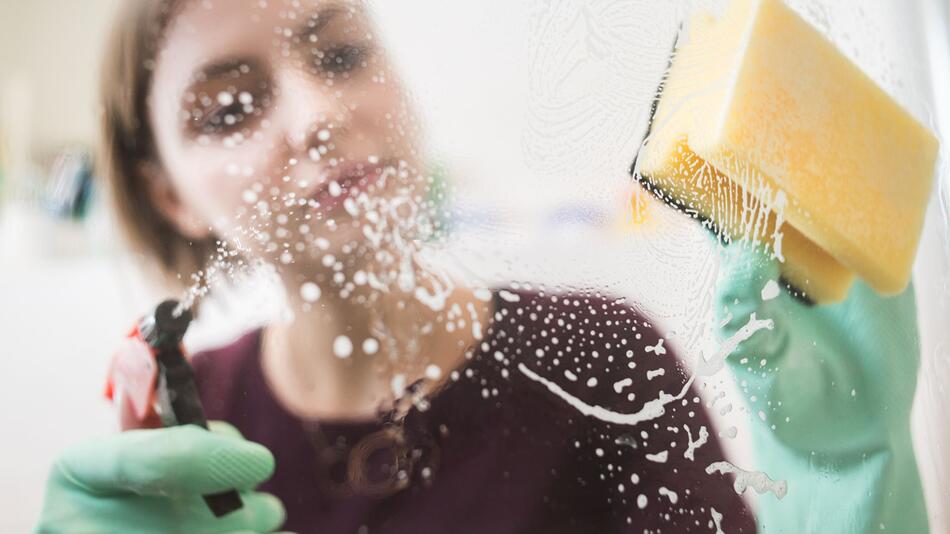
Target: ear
column 168, row 203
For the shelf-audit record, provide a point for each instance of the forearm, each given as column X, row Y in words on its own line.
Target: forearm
column 838, row 378
column 830, row 390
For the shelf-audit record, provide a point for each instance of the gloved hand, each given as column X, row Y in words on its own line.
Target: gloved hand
column 830, row 390
column 153, row 480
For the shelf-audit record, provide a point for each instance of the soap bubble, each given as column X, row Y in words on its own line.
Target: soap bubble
column 310, row 292
column 342, row 347
column 370, row 346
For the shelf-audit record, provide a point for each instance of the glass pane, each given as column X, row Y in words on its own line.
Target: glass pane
column 535, row 266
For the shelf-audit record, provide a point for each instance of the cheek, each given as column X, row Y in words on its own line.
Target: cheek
column 221, row 185
column 382, row 108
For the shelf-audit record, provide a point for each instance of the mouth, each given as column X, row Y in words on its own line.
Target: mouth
column 345, row 181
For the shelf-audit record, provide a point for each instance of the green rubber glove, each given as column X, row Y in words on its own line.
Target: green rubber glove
column 830, row 389
column 153, row 480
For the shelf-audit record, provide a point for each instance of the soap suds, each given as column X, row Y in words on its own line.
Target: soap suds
column 655, row 407
column 655, row 373
column 398, row 385
column 508, row 296
column 691, row 446
column 717, row 520
column 658, row 349
column 650, row 410
column 718, row 360
column 770, row 291
column 620, row 384
column 671, row 495
column 780, row 203
column 756, row 480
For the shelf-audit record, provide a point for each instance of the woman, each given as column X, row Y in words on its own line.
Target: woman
column 277, row 132
column 395, row 400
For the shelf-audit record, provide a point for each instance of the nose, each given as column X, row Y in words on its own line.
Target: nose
column 311, row 113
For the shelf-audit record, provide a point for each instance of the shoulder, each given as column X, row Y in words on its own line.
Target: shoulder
column 568, row 358
column 220, row 373
column 590, row 372
column 608, row 318
column 592, row 345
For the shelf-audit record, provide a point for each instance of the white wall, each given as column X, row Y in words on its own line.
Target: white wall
column 54, row 46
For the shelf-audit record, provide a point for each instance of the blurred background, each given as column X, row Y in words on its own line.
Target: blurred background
column 554, row 92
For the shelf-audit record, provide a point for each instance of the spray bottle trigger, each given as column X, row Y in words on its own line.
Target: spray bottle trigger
column 132, row 380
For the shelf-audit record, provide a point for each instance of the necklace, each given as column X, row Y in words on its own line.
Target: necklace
column 378, row 464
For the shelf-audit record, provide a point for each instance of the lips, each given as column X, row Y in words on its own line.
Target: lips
column 342, row 180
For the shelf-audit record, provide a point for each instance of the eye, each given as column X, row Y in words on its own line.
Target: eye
column 222, row 118
column 226, row 112
column 341, row 59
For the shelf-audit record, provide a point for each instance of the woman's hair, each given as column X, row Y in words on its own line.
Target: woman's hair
column 127, row 144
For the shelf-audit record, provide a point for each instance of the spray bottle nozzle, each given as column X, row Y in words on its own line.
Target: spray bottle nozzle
column 166, row 327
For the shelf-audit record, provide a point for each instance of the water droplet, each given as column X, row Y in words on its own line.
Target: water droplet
column 310, row 292
column 370, row 346
column 342, row 347
column 398, row 385
column 350, row 206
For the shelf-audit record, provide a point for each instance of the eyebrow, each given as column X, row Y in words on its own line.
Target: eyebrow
column 318, row 20
column 314, row 24
column 217, row 70
column 223, row 67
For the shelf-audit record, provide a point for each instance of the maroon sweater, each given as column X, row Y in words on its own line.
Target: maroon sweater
column 494, row 451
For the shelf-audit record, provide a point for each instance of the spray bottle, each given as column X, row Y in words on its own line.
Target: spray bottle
column 152, row 384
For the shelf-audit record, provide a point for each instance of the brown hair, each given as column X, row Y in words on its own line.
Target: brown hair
column 127, row 144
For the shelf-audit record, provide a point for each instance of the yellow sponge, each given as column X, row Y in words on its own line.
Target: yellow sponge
column 762, row 121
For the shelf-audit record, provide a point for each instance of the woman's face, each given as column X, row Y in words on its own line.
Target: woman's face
column 282, row 130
